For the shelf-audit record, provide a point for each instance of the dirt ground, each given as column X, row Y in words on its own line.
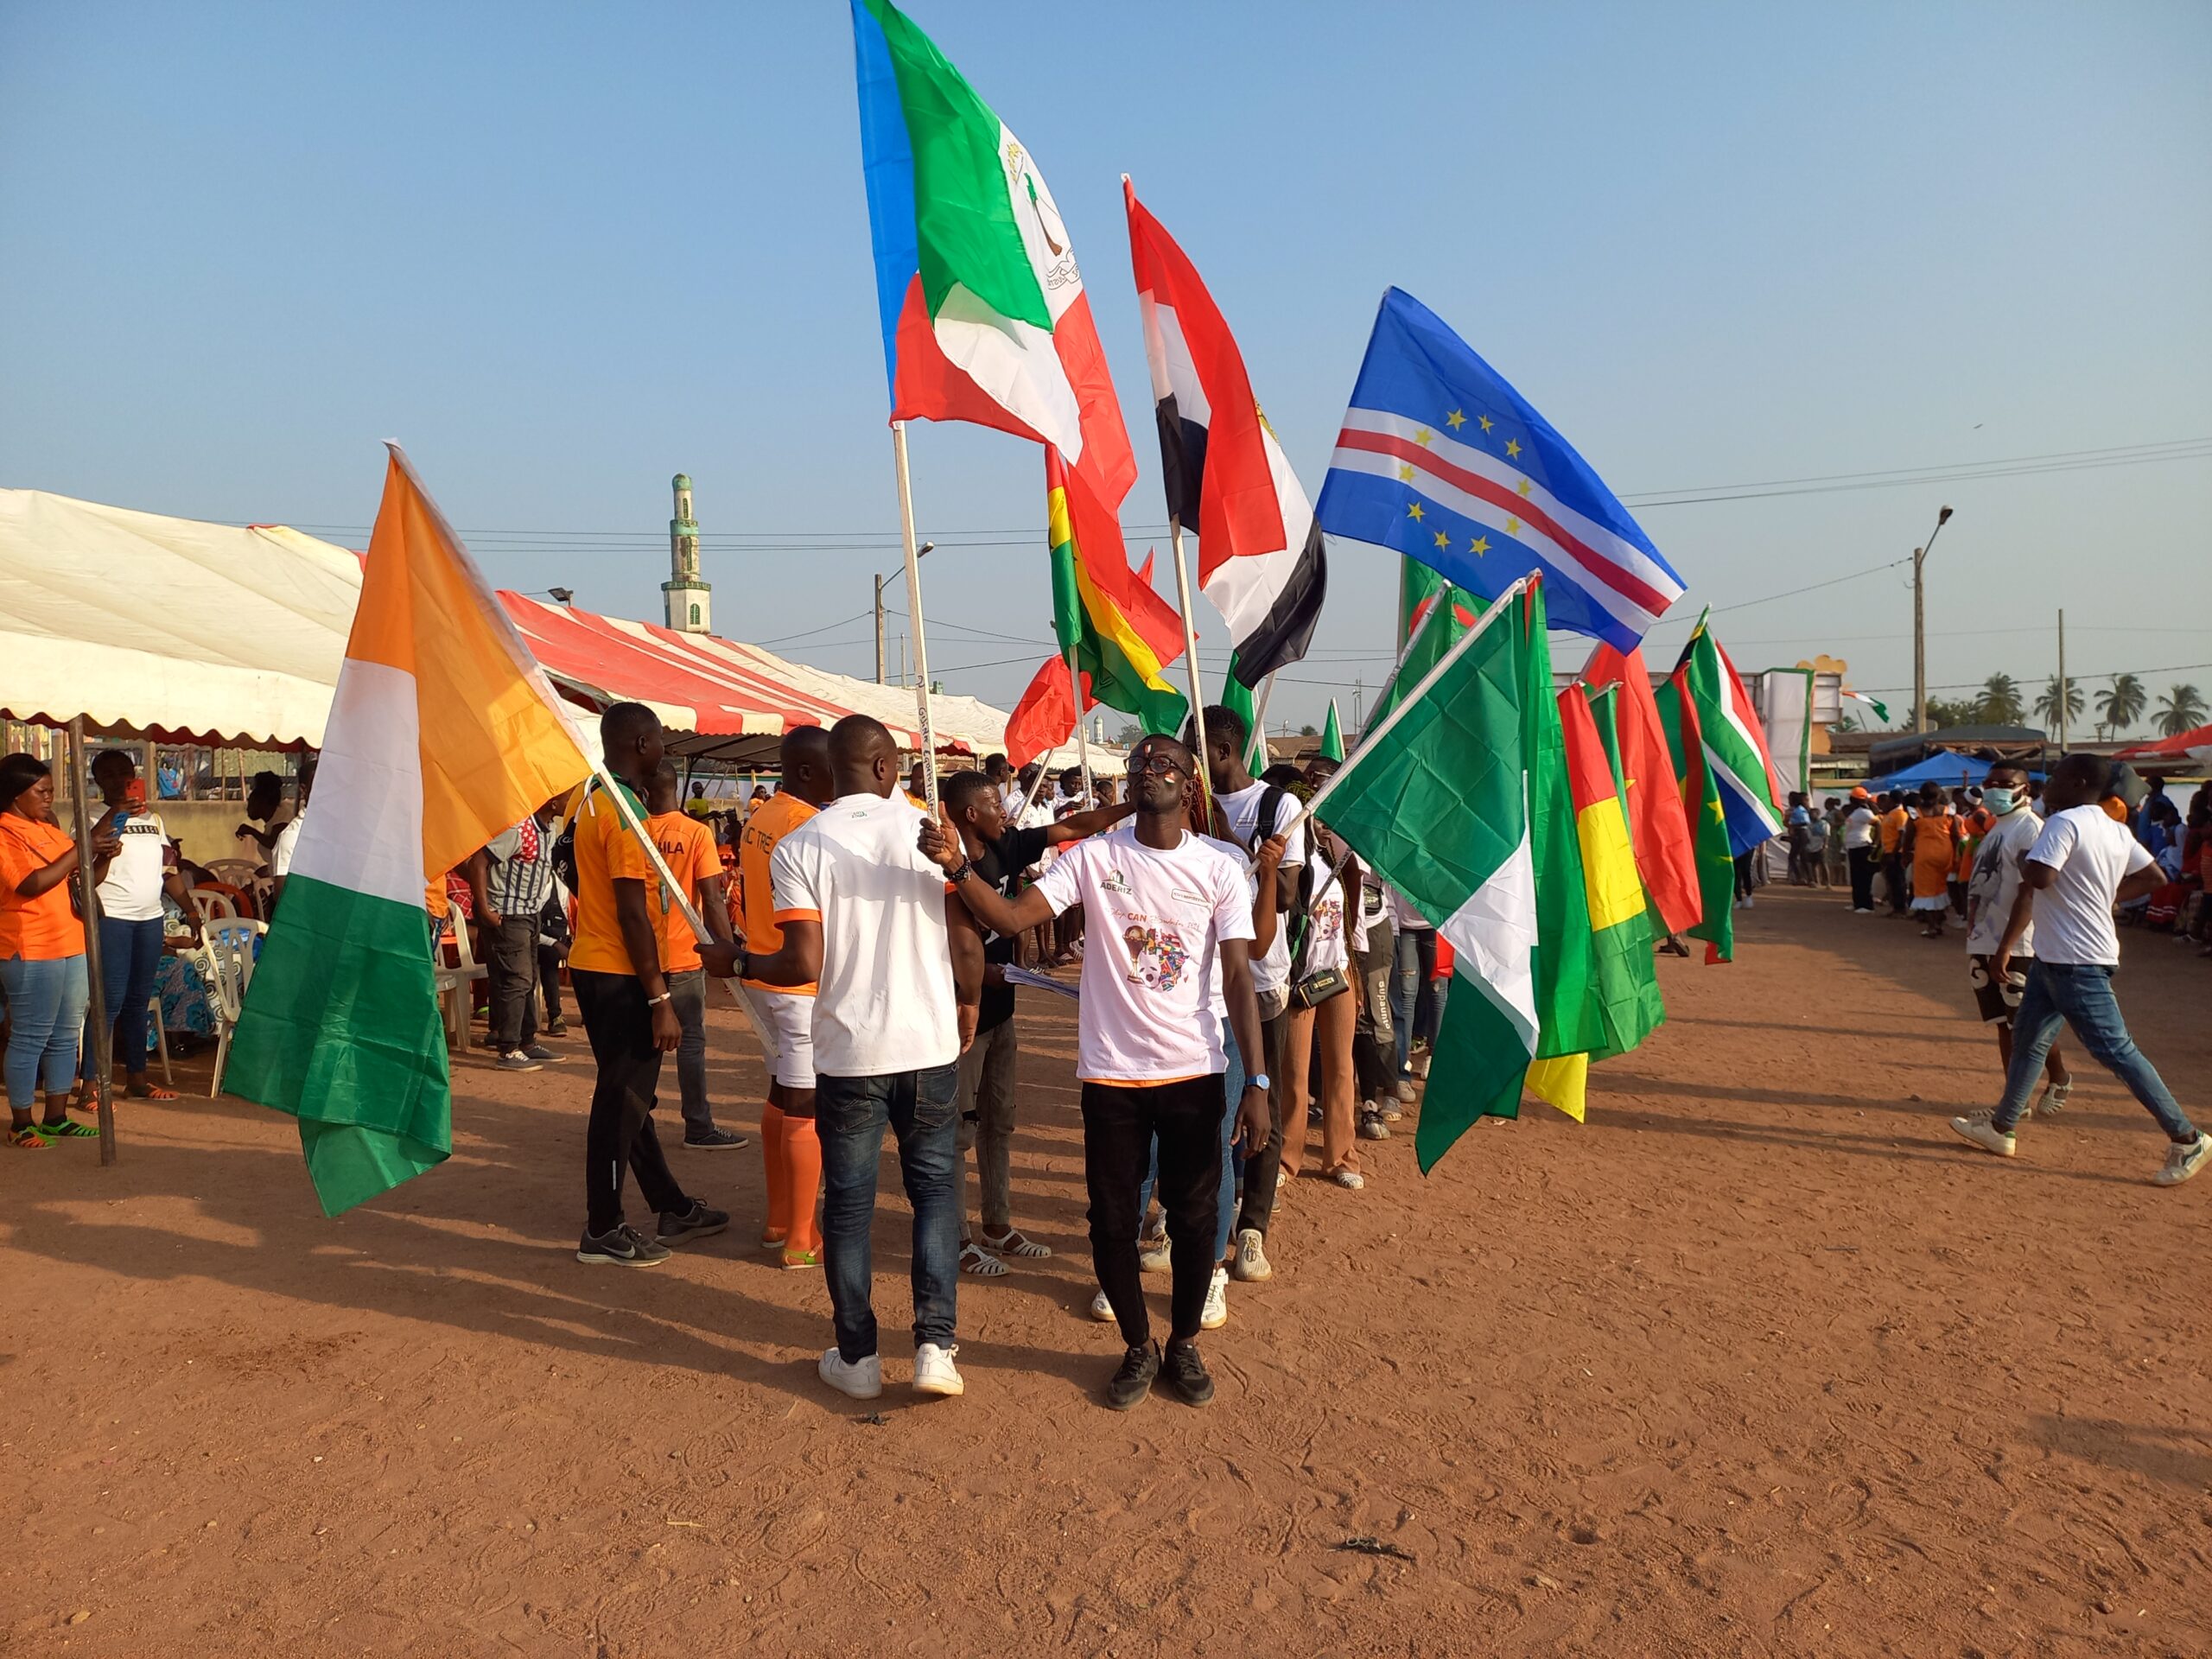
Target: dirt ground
column 1761, row 1360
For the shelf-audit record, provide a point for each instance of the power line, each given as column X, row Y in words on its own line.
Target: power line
column 2013, row 466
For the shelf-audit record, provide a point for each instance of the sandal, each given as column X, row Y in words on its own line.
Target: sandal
column 1014, row 1242
column 28, row 1139
column 1350, row 1180
column 68, row 1130
column 2054, row 1098
column 980, row 1263
column 795, row 1260
column 151, row 1091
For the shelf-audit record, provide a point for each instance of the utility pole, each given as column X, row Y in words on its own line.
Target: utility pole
column 1358, row 694
column 920, row 553
column 1920, row 626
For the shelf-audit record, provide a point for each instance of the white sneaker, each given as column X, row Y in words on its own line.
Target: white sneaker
column 2181, row 1162
column 1350, row 1180
column 1251, row 1264
column 934, row 1372
column 1100, row 1309
column 1216, row 1313
column 860, row 1380
column 1980, row 1128
column 1156, row 1258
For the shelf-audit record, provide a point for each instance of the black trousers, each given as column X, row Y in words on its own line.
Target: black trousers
column 1261, row 1167
column 510, row 968
column 621, row 1131
column 1119, row 1126
column 1862, row 878
column 1900, row 889
column 550, row 958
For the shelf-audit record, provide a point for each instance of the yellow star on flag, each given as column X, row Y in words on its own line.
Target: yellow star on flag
column 1513, row 526
column 1720, row 815
column 1414, row 512
column 1442, row 540
column 1423, row 434
column 1513, row 448
column 1479, row 546
column 1404, row 471
column 1523, row 487
column 1456, row 419
column 1486, row 421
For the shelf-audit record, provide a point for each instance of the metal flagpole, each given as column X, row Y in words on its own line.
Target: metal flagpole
column 914, row 616
column 1190, row 663
column 1368, row 739
column 98, row 1014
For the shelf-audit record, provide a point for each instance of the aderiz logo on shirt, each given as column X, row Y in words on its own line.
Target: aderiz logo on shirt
column 1113, row 881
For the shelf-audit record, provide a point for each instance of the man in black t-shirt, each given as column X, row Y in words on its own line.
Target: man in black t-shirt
column 1000, row 853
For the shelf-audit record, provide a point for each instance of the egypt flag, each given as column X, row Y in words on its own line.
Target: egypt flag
column 443, row 732
column 1735, row 743
column 982, row 304
column 1260, row 557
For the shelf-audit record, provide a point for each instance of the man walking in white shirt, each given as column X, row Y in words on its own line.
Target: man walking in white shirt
column 1992, row 891
column 2083, row 864
column 898, row 966
column 1170, row 914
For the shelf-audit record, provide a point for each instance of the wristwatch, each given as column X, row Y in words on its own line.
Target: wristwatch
column 1259, row 1080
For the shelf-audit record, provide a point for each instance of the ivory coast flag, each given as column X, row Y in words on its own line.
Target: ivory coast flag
column 1625, row 988
column 442, row 733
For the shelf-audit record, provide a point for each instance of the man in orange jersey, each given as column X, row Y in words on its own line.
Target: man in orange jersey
column 622, row 992
column 784, row 1013
column 688, row 847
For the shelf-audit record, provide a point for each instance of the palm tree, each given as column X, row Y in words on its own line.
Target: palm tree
column 2180, row 710
column 2047, row 704
column 2121, row 705
column 2000, row 701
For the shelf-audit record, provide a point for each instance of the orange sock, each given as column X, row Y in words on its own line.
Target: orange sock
column 774, row 1129
column 802, row 1183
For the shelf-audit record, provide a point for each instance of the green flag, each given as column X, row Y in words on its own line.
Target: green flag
column 1429, row 643
column 1237, row 697
column 1566, row 981
column 1333, row 735
column 1436, row 806
column 1716, row 864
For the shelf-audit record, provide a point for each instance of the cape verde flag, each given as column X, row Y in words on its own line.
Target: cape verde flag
column 1443, row 461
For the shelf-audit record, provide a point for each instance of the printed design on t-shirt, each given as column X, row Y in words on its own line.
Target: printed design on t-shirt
column 1113, row 881
column 1157, row 958
column 1328, row 919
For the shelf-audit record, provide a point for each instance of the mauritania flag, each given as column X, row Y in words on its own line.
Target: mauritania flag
column 1735, row 743
column 442, row 733
column 983, row 308
column 1442, row 460
column 1435, row 803
column 1259, row 554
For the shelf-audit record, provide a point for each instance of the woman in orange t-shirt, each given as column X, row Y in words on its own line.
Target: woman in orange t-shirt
column 1932, row 845
column 42, row 949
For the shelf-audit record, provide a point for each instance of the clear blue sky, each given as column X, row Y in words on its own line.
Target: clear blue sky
column 563, row 251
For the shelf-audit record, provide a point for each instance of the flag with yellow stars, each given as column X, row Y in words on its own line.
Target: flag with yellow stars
column 1441, row 460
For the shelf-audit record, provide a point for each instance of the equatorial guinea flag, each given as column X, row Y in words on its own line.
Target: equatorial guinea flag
column 443, row 732
column 983, row 313
column 1260, row 554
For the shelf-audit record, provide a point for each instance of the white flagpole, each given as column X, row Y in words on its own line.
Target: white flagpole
column 914, row 616
column 1367, row 740
column 1190, row 659
column 1081, row 743
column 1406, row 650
column 1258, row 746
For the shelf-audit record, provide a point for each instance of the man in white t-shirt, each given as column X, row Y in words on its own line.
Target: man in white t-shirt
column 1992, row 889
column 898, row 965
column 1286, row 1034
column 1862, row 849
column 2083, row 864
column 286, row 847
column 131, row 924
column 1170, row 916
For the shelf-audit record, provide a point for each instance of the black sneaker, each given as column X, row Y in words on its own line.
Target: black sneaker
column 698, row 1221
column 716, row 1140
column 1186, row 1374
column 1132, row 1381
column 621, row 1246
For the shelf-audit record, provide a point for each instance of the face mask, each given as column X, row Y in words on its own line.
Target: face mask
column 1999, row 801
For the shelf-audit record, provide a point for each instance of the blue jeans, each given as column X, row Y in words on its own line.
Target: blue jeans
column 850, row 1115
column 45, row 1013
column 2080, row 997
column 1232, row 1159
column 1416, row 994
column 130, row 957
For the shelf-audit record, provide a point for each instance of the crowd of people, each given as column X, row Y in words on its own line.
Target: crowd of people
column 1243, row 985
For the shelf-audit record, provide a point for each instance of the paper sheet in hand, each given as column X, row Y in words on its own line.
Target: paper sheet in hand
column 1023, row 979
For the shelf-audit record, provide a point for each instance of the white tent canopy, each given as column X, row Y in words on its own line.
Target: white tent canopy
column 169, row 625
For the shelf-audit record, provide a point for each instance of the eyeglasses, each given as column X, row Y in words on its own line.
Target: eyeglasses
column 1167, row 766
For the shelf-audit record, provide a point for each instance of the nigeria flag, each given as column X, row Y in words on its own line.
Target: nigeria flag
column 1436, row 803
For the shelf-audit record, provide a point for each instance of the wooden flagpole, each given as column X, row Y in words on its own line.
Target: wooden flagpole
column 1191, row 663
column 914, row 616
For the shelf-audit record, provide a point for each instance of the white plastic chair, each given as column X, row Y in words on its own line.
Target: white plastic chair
column 160, row 1037
column 239, row 872
column 214, row 907
column 454, row 984
column 224, row 958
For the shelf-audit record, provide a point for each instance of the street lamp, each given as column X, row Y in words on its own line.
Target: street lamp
column 562, row 595
column 1920, row 626
column 879, row 581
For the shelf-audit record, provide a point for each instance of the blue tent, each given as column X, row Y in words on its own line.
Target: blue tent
column 1944, row 768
